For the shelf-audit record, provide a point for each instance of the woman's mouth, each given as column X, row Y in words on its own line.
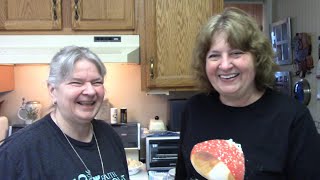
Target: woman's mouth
column 229, row 76
column 86, row 103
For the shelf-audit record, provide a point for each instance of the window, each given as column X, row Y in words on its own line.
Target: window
column 281, row 41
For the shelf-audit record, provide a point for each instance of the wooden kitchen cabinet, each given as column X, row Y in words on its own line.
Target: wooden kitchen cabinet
column 77, row 14
column 254, row 9
column 102, row 14
column 171, row 27
column 6, row 78
column 30, row 14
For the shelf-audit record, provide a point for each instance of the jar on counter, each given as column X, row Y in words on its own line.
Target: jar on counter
column 123, row 115
column 113, row 115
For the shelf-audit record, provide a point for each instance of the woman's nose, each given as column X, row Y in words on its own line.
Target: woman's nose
column 89, row 89
column 226, row 62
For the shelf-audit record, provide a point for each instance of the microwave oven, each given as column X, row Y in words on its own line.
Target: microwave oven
column 161, row 152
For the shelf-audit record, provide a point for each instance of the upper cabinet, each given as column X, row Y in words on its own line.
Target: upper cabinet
column 102, row 14
column 77, row 14
column 30, row 14
column 171, row 29
column 6, row 78
column 253, row 9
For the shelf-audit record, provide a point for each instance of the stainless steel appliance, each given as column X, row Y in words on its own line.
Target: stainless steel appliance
column 161, row 152
column 25, row 49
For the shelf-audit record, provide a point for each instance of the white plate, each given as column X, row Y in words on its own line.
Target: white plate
column 136, row 169
column 172, row 172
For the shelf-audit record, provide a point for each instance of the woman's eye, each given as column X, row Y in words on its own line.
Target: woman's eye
column 236, row 53
column 213, row 56
column 98, row 83
column 75, row 83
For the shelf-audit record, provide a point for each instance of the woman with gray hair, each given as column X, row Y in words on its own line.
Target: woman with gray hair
column 239, row 127
column 68, row 143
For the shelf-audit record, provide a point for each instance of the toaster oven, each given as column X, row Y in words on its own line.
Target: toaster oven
column 161, row 152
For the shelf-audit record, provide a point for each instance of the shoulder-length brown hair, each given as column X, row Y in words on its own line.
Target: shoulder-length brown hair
column 242, row 33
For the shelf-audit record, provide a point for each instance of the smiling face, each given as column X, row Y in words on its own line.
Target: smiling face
column 230, row 71
column 80, row 96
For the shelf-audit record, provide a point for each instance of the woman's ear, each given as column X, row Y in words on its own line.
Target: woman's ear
column 52, row 92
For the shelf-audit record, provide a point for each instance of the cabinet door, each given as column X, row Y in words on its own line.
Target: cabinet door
column 171, row 29
column 102, row 14
column 30, row 14
column 6, row 78
column 254, row 9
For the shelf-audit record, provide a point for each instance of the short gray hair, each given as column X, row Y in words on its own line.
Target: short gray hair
column 63, row 62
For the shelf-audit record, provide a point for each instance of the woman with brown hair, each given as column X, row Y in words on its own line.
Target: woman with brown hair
column 239, row 127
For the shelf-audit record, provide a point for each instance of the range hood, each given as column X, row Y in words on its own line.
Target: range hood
column 35, row 49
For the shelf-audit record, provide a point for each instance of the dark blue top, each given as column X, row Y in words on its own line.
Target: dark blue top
column 277, row 135
column 40, row 151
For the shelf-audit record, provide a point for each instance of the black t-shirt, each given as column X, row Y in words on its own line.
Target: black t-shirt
column 40, row 151
column 277, row 135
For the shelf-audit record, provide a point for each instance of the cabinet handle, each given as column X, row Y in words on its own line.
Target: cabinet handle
column 54, row 9
column 151, row 68
column 76, row 10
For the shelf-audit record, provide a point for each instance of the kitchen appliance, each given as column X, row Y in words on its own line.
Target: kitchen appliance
column 29, row 111
column 130, row 137
column 25, row 49
column 161, row 152
column 156, row 125
column 176, row 107
column 129, row 134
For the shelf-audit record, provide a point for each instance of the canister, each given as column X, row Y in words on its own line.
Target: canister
column 113, row 115
column 123, row 115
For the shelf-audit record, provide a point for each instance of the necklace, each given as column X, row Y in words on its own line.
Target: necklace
column 84, row 164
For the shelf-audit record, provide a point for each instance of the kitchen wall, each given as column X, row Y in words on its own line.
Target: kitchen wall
column 122, row 90
column 304, row 18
